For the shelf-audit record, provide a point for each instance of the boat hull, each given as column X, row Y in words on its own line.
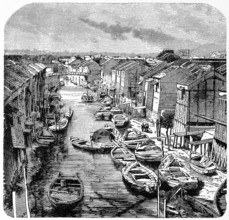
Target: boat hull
column 72, row 202
column 92, row 147
column 147, row 188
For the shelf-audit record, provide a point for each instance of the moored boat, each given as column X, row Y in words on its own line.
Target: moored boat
column 94, row 147
column 66, row 191
column 173, row 172
column 140, row 178
column 202, row 164
column 132, row 137
column 121, row 156
column 86, row 97
column 148, row 152
column 44, row 138
column 178, row 176
column 60, row 125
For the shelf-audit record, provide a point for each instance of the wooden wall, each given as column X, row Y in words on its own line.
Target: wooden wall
column 181, row 111
column 150, row 95
column 204, row 99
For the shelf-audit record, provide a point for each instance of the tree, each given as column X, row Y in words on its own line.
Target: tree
column 166, row 120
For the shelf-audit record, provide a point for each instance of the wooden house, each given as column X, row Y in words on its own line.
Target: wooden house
column 81, row 71
column 197, row 95
column 106, row 73
column 220, row 138
column 126, row 76
column 160, row 87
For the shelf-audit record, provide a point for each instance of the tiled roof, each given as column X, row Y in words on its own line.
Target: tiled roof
column 21, row 71
column 128, row 66
column 41, row 65
column 85, row 63
column 37, row 66
column 31, row 70
column 123, row 64
column 189, row 79
column 11, row 80
column 154, row 70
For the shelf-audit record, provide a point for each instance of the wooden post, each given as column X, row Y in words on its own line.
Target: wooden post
column 164, row 208
column 14, row 205
column 26, row 195
column 190, row 155
column 162, row 146
column 169, row 142
column 158, row 195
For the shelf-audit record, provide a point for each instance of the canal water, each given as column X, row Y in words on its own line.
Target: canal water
column 105, row 194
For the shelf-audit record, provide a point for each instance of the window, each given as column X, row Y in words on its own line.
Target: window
column 182, row 93
column 156, row 87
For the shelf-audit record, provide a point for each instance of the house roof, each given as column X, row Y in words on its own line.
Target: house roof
column 31, row 70
column 124, row 65
column 128, row 66
column 11, row 80
column 154, row 70
column 20, row 71
column 168, row 56
column 37, row 66
column 197, row 77
column 84, row 63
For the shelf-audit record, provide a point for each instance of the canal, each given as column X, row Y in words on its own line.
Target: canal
column 105, row 194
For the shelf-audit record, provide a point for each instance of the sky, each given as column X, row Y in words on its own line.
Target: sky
column 127, row 28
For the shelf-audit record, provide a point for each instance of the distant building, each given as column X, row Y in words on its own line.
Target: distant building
column 218, row 55
column 83, row 71
column 167, row 55
column 106, row 74
column 184, row 53
column 125, row 77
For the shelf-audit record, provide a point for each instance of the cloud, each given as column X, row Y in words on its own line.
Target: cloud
column 151, row 35
column 117, row 31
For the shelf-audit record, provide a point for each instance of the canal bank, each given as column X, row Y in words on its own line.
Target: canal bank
column 105, row 193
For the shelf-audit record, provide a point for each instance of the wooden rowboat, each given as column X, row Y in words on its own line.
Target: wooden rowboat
column 178, row 176
column 202, row 164
column 45, row 138
column 172, row 172
column 121, row 156
column 148, row 153
column 65, row 192
column 140, row 178
column 94, row 147
column 60, row 125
